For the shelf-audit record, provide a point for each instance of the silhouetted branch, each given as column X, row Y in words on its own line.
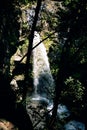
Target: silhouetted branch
column 37, row 45
column 31, row 36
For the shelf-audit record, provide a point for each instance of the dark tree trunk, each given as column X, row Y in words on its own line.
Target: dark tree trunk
column 63, row 73
column 31, row 36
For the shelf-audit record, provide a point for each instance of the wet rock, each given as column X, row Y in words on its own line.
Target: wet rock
column 74, row 125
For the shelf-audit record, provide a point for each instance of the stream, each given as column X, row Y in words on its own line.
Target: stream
column 41, row 99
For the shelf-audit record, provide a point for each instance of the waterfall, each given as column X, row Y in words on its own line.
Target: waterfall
column 43, row 80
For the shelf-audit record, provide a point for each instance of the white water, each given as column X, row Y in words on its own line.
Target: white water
column 63, row 113
column 44, row 85
column 43, row 80
column 74, row 125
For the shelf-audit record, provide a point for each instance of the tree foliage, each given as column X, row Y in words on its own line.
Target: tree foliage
column 9, row 32
column 72, row 24
column 67, row 53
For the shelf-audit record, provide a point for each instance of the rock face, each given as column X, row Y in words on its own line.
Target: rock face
column 37, row 113
column 6, row 125
column 10, row 111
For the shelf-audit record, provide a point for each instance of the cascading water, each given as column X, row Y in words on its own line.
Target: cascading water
column 43, row 80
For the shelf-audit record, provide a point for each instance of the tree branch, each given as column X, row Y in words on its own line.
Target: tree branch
column 31, row 36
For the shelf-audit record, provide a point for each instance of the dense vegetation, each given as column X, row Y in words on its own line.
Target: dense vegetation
column 66, row 47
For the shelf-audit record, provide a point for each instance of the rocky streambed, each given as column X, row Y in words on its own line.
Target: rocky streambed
column 39, row 110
